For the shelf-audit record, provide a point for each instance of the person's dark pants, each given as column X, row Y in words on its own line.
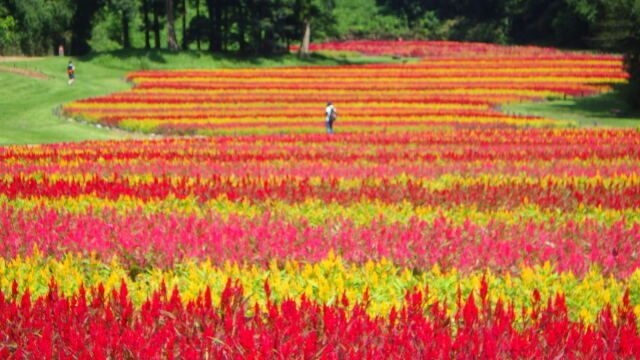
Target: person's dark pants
column 329, row 127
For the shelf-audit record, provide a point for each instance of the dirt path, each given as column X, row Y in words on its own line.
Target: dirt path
column 19, row 58
column 21, row 71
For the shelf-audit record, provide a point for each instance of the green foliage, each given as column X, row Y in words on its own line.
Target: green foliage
column 429, row 26
column 38, row 25
column 620, row 31
column 366, row 19
column 198, row 30
column 321, row 13
column 106, row 34
column 8, row 33
column 558, row 23
column 487, row 31
column 109, row 31
column 126, row 9
column 270, row 26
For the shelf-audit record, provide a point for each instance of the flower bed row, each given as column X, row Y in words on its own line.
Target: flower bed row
column 465, row 153
column 105, row 326
column 396, row 97
column 435, row 49
column 550, row 193
column 112, row 307
column 469, row 199
column 325, row 281
column 160, row 239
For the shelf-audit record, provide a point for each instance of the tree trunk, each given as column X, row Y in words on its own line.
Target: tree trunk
column 226, row 18
column 145, row 10
column 81, row 27
column 172, row 43
column 126, row 39
column 184, row 24
column 156, row 26
column 306, row 38
column 242, row 28
column 217, row 30
column 198, row 17
column 215, row 18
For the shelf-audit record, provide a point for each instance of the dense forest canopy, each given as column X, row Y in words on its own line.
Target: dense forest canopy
column 36, row 27
column 264, row 27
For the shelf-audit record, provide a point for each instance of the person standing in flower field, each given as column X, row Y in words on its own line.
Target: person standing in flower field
column 71, row 71
column 331, row 114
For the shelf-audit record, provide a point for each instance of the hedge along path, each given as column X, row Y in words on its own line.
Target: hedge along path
column 21, row 71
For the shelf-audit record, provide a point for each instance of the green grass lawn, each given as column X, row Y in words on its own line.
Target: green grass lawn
column 606, row 110
column 27, row 105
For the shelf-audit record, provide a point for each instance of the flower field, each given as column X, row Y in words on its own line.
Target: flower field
column 451, row 89
column 429, row 226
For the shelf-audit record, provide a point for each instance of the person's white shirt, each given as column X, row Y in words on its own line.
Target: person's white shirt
column 330, row 108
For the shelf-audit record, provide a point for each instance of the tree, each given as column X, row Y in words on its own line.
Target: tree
column 172, row 42
column 308, row 12
column 8, row 32
column 146, row 25
column 157, row 8
column 216, row 9
column 183, row 8
column 564, row 23
column 39, row 25
column 127, row 10
column 81, row 25
column 619, row 30
column 199, row 29
column 198, row 26
column 411, row 11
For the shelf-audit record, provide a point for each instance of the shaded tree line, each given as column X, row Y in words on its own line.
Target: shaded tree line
column 37, row 27
column 564, row 23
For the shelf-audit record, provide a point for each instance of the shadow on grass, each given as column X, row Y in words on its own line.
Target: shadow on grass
column 609, row 109
column 611, row 104
column 142, row 59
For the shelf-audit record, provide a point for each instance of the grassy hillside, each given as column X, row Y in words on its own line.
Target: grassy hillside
column 28, row 103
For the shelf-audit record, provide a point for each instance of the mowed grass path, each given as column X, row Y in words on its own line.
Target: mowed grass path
column 28, row 103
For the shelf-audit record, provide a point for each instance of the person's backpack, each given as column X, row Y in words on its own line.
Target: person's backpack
column 333, row 116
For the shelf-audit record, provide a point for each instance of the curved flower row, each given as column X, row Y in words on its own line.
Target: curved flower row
column 446, row 49
column 437, row 92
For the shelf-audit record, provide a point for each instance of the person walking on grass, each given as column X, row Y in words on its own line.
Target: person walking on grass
column 331, row 114
column 71, row 71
